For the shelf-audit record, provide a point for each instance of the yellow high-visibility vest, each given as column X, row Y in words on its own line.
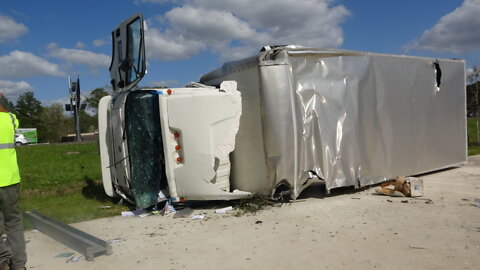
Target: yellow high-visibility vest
column 9, row 173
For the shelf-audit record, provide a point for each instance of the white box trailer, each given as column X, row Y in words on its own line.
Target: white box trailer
column 347, row 118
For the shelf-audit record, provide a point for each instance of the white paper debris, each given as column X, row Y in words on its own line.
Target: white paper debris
column 197, row 217
column 73, row 259
column 168, row 209
column 133, row 213
column 163, row 195
column 223, row 210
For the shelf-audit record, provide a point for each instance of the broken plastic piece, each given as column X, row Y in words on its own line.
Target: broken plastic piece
column 73, row 259
column 184, row 213
column 223, row 210
column 133, row 213
column 168, row 209
column 416, row 186
column 64, row 255
column 476, row 203
column 197, row 217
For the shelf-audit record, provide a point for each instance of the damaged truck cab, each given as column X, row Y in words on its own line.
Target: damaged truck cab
column 158, row 144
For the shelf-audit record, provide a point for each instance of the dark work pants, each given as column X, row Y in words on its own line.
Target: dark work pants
column 14, row 247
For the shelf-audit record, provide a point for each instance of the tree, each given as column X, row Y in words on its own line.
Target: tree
column 29, row 110
column 473, row 76
column 7, row 104
column 89, row 122
column 53, row 125
column 94, row 98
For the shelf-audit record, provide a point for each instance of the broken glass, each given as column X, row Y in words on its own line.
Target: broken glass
column 145, row 147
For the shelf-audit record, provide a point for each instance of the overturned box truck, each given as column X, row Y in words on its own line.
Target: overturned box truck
column 276, row 122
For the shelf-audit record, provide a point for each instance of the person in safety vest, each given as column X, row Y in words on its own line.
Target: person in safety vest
column 12, row 251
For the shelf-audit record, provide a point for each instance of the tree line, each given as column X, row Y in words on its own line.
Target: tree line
column 51, row 122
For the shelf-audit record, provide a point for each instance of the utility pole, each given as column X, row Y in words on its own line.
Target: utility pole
column 75, row 105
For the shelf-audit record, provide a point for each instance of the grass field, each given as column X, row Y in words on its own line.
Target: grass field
column 473, row 147
column 63, row 181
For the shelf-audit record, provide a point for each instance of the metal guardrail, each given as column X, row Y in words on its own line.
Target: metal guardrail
column 84, row 243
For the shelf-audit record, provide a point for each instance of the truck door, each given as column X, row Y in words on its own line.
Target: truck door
column 128, row 54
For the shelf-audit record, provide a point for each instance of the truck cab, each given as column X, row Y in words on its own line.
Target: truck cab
column 158, row 144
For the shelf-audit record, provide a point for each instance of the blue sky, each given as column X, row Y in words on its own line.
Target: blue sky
column 43, row 42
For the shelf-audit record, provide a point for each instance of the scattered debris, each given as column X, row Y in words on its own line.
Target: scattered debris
column 355, row 198
column 168, row 209
column 64, row 255
column 163, row 195
column 117, row 240
column 197, row 217
column 184, row 213
column 389, row 201
column 258, row 222
column 415, row 247
column 429, row 201
column 404, row 201
column 254, row 205
column 133, row 213
column 145, row 215
column 406, row 186
column 224, row 210
column 476, row 203
column 73, row 259
column 104, row 207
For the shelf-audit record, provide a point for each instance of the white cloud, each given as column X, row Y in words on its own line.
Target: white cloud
column 99, row 42
column 167, row 83
column 80, row 45
column 456, row 32
column 10, row 29
column 236, row 29
column 20, row 64
column 12, row 89
column 79, row 57
column 170, row 46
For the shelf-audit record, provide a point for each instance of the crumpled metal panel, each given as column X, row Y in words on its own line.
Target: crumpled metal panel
column 371, row 117
column 353, row 118
column 249, row 172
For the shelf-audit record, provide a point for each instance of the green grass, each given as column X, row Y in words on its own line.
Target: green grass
column 473, row 150
column 473, row 147
column 63, row 181
column 472, row 129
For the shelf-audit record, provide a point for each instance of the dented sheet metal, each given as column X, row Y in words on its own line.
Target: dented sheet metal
column 175, row 144
column 208, row 124
column 347, row 118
